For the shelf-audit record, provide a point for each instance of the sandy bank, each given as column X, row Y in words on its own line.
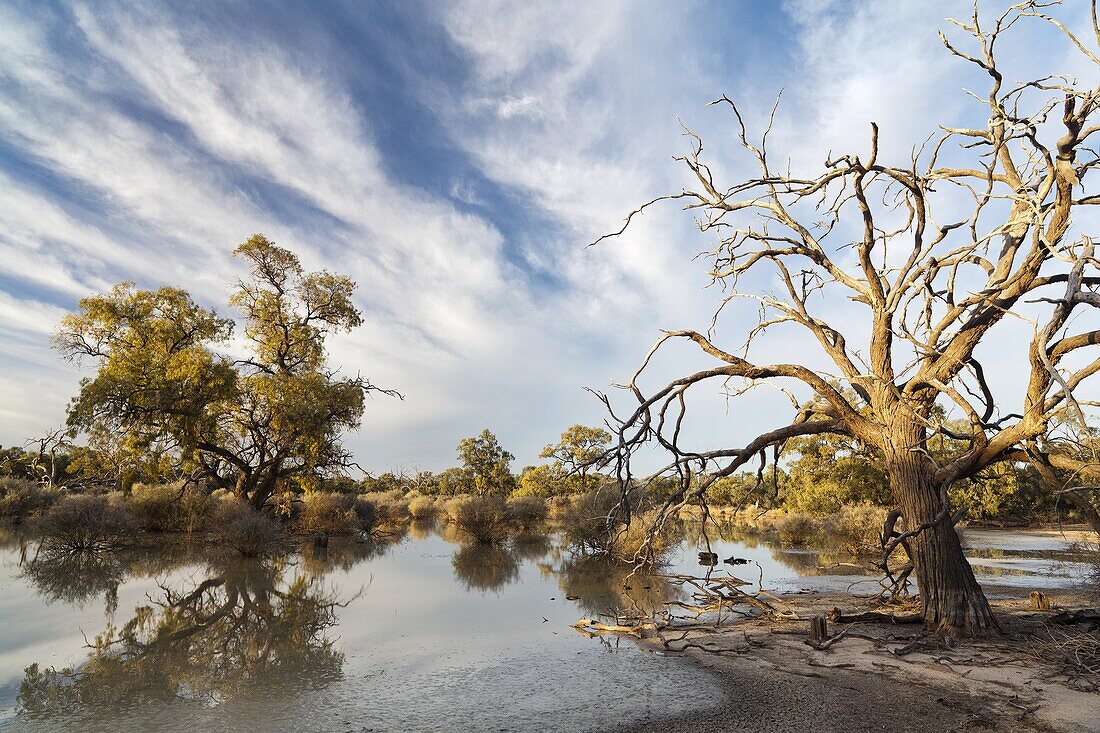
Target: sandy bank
column 774, row 682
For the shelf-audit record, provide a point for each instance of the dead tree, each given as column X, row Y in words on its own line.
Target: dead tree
column 937, row 250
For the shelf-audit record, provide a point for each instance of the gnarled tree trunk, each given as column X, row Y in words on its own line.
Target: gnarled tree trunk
column 951, row 599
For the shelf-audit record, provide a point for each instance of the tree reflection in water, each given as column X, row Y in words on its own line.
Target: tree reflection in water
column 342, row 553
column 75, row 577
column 485, row 567
column 532, row 546
column 245, row 624
column 602, row 586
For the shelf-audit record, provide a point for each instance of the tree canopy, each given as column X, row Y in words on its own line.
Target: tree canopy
column 487, row 464
column 257, row 424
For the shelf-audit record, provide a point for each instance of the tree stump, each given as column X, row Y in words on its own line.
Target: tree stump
column 1040, row 601
column 819, row 629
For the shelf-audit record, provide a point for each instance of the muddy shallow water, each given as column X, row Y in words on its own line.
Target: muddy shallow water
column 418, row 634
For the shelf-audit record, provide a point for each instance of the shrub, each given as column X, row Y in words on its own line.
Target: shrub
column 325, row 511
column 796, row 529
column 587, row 529
column 638, row 543
column 21, row 499
column 526, row 511
column 192, row 510
column 859, row 527
column 423, row 507
column 243, row 528
column 366, row 515
column 481, row 518
column 558, row 506
column 153, row 505
column 584, row 521
column 390, row 507
column 86, row 523
column 168, row 507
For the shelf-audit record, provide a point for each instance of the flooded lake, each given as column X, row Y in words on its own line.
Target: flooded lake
column 421, row 633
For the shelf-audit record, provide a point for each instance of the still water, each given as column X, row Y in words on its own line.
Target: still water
column 419, row 633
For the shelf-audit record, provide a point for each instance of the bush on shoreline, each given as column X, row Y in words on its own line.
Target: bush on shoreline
column 483, row 519
column 859, row 528
column 591, row 526
column 249, row 532
column 423, row 507
column 86, row 524
column 526, row 511
column 23, row 499
column 797, row 529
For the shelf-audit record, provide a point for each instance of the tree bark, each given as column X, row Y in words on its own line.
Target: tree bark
column 952, row 602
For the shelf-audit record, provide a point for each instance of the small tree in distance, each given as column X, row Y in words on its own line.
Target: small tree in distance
column 487, row 464
column 580, row 450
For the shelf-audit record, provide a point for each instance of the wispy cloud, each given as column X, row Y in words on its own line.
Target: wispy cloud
column 138, row 142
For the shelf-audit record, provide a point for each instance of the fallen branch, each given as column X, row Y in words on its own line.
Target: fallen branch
column 591, row 627
column 839, row 617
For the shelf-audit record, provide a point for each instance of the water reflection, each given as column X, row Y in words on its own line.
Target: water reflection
column 254, row 641
column 342, row 553
column 485, row 567
column 244, row 623
column 75, row 577
column 600, row 586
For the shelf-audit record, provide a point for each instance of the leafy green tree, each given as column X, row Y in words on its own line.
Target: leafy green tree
column 580, row 450
column 744, row 488
column 544, row 481
column 454, row 481
column 260, row 425
column 831, row 472
column 487, row 463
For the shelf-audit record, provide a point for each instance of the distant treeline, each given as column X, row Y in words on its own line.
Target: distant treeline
column 817, row 476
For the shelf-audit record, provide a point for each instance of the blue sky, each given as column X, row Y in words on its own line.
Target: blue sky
column 454, row 159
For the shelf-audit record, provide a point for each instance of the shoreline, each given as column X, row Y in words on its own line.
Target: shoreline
column 775, row 683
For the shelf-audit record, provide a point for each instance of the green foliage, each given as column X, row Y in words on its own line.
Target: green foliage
column 546, row 481
column 831, row 472
column 580, row 450
column 454, row 481
column 743, row 489
column 487, row 463
column 258, row 425
column 383, row 482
